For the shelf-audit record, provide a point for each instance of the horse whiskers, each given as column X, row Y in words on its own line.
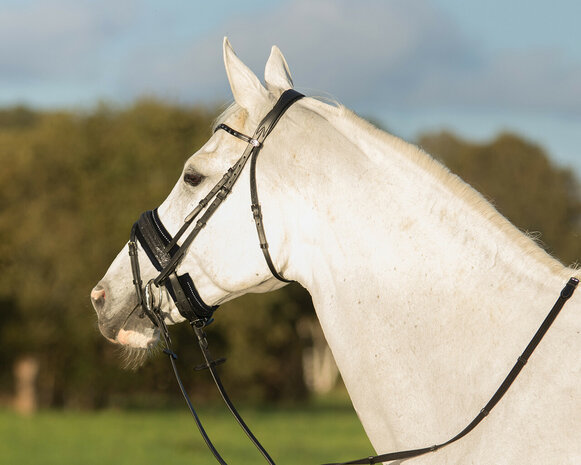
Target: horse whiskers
column 135, row 357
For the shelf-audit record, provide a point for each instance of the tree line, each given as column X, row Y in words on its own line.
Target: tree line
column 73, row 182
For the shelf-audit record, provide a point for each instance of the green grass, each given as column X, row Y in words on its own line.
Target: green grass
column 309, row 434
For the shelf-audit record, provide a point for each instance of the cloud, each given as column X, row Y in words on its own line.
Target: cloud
column 517, row 81
column 410, row 53
column 368, row 54
column 342, row 47
column 48, row 39
column 58, row 52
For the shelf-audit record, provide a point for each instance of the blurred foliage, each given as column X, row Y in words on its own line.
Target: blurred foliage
column 72, row 185
column 74, row 182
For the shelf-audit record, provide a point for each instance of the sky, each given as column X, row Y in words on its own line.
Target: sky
column 472, row 67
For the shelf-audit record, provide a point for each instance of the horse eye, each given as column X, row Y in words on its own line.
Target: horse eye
column 193, row 178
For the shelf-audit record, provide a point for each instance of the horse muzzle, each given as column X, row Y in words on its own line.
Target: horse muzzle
column 129, row 328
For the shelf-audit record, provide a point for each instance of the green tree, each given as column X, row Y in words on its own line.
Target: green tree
column 74, row 182
column 72, row 185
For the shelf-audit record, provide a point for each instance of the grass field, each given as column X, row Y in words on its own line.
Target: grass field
column 308, row 434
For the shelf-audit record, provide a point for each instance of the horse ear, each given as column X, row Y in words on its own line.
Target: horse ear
column 247, row 90
column 277, row 74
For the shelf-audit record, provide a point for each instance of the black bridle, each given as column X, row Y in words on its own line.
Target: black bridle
column 163, row 250
column 165, row 254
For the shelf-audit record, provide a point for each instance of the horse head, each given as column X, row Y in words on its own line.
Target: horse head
column 225, row 259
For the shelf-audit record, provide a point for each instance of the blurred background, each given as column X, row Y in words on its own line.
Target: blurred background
column 102, row 102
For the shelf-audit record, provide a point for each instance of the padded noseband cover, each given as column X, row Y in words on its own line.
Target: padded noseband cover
column 154, row 238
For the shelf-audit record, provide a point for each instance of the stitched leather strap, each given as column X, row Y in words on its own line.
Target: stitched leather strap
column 163, row 249
column 286, row 100
column 255, row 143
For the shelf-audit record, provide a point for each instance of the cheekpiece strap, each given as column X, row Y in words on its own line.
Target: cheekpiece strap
column 265, row 127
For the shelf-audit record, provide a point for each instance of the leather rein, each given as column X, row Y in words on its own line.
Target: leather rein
column 165, row 254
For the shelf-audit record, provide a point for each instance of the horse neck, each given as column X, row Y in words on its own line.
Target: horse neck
column 371, row 197
column 425, row 293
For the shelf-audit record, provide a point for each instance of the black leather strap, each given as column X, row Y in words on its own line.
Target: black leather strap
column 257, row 215
column 566, row 293
column 156, row 242
column 255, row 143
column 211, row 364
column 268, row 123
column 153, row 239
column 163, row 250
column 159, row 322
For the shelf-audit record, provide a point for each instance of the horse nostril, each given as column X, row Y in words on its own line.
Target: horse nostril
column 98, row 297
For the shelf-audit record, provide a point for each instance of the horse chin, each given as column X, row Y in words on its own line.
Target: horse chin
column 143, row 339
column 136, row 348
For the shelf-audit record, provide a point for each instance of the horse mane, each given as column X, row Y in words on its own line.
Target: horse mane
column 529, row 242
column 331, row 109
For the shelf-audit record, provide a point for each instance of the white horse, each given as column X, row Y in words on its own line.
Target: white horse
column 425, row 293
